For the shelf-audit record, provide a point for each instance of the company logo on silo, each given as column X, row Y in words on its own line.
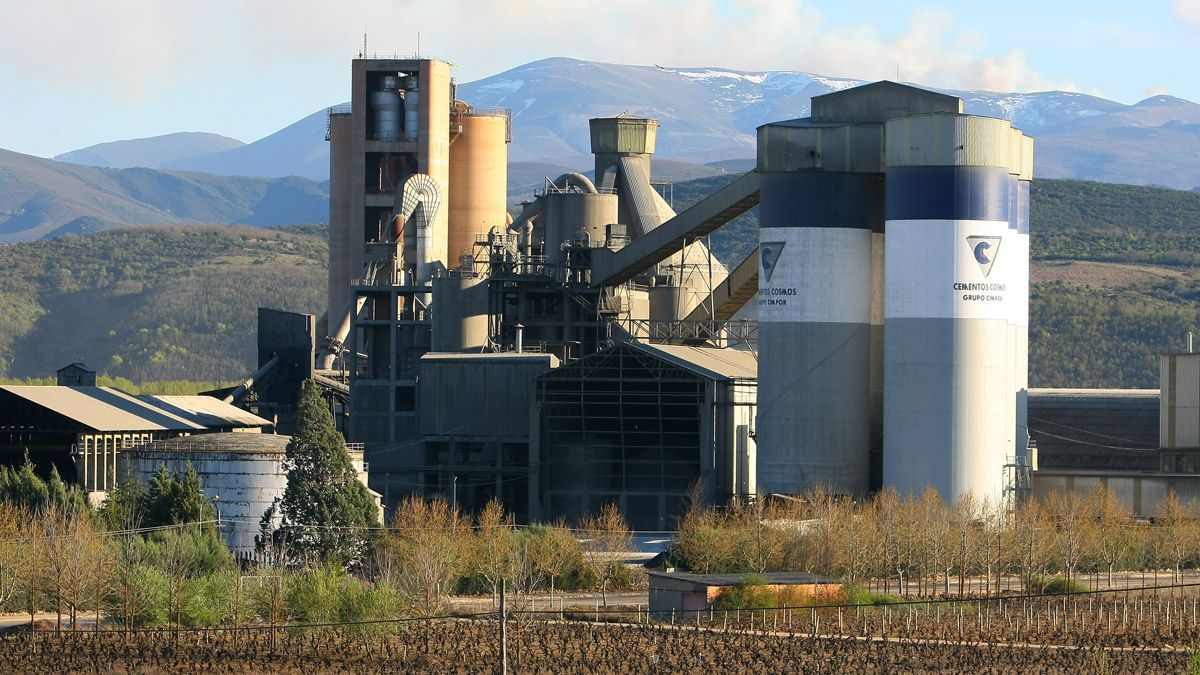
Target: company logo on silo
column 985, row 250
column 768, row 256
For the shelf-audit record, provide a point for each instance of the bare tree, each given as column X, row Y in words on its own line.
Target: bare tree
column 605, row 537
column 1116, row 538
column 494, row 553
column 430, row 541
column 1175, row 530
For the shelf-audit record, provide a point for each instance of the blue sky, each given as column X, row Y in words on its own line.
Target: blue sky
column 75, row 73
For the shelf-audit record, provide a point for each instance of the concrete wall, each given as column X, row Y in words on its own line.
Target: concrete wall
column 1179, row 405
column 1140, row 492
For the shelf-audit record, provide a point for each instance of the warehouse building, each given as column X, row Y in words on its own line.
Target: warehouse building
column 639, row 424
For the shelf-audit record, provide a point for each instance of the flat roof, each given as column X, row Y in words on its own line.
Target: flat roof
column 735, row 579
column 712, row 362
column 229, row 441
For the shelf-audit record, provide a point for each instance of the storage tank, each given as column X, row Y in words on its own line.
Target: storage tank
column 460, row 317
column 815, row 330
column 569, row 215
column 340, row 244
column 953, row 292
column 478, row 180
column 244, row 470
column 386, row 102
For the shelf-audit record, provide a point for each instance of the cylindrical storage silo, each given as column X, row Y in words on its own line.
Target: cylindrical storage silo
column 951, row 293
column 242, row 472
column 340, row 239
column 478, row 181
column 814, row 302
column 667, row 303
column 412, row 109
column 386, row 104
column 460, row 317
column 569, row 215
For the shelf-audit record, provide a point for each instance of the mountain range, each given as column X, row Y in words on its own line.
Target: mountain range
column 710, row 114
column 43, row 198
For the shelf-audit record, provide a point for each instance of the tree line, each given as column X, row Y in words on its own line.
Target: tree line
column 922, row 546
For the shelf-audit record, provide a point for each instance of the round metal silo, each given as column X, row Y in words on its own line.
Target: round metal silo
column 570, row 216
column 815, row 330
column 478, row 181
column 460, row 319
column 952, row 291
column 386, row 104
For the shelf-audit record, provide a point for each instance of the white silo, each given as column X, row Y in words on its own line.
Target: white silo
column 956, row 283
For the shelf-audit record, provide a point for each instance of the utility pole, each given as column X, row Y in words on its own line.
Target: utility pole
column 503, row 632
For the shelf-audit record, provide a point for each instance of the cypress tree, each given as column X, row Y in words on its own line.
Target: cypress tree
column 327, row 514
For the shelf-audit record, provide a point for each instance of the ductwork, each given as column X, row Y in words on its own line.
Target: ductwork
column 421, row 202
column 576, row 180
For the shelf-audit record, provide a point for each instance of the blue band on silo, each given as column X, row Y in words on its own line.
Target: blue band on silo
column 821, row 199
column 1023, row 206
column 948, row 193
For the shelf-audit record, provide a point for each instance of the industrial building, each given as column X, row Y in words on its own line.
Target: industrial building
column 585, row 347
column 1141, row 444
column 449, row 312
column 82, row 429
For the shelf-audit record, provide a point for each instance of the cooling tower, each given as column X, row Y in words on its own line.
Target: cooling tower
column 956, row 285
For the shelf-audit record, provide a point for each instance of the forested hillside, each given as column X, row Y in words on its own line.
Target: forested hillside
column 152, row 304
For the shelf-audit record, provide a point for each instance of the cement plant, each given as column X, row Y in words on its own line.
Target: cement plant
column 581, row 364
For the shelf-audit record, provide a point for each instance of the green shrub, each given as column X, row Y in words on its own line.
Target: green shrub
column 209, row 600
column 751, row 593
column 1059, row 584
column 316, row 595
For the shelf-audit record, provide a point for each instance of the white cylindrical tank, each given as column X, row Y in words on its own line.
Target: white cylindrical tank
column 953, row 292
column 244, row 472
column 814, row 313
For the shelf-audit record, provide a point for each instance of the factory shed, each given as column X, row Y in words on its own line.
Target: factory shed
column 1095, row 429
column 683, row 594
column 639, row 424
column 82, row 429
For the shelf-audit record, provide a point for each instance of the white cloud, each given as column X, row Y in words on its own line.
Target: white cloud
column 1157, row 90
column 1188, row 11
column 135, row 49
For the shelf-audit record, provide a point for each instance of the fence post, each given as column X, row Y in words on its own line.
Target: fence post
column 503, row 632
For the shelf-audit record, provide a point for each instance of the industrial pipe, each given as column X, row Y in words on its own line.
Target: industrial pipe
column 258, row 375
column 575, row 179
column 337, row 338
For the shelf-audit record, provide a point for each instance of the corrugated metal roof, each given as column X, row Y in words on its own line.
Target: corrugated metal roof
column 711, row 362
column 103, row 408
column 206, row 411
